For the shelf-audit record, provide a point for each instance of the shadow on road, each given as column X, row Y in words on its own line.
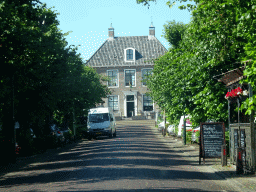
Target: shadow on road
column 134, row 154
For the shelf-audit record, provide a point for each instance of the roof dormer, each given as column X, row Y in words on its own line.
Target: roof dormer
column 129, row 55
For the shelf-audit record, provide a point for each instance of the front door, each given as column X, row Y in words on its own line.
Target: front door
column 130, row 105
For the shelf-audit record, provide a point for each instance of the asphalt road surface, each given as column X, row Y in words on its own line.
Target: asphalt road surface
column 135, row 160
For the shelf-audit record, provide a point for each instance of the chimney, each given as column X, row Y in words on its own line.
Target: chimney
column 151, row 31
column 111, row 33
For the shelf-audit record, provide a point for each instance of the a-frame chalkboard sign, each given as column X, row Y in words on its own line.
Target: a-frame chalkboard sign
column 212, row 137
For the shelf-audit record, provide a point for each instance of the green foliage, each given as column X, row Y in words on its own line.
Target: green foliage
column 197, row 135
column 173, row 32
column 68, row 136
column 171, row 3
column 26, row 142
column 176, row 130
column 80, row 131
column 250, row 72
column 46, row 77
column 188, row 135
column 211, row 44
column 220, row 35
column 145, row 2
column 51, row 141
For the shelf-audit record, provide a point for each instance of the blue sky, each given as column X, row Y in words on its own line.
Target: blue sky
column 89, row 20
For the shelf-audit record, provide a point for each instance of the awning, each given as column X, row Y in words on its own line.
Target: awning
column 232, row 76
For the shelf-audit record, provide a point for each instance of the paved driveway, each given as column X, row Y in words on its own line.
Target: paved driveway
column 136, row 160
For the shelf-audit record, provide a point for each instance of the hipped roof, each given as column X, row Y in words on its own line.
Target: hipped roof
column 111, row 53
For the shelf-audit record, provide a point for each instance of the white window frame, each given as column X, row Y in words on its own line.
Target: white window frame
column 143, row 103
column 134, row 77
column 117, row 102
column 142, row 75
column 125, row 56
column 117, row 78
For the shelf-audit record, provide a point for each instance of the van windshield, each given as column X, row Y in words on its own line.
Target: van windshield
column 99, row 117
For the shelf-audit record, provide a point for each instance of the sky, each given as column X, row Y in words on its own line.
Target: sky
column 89, row 20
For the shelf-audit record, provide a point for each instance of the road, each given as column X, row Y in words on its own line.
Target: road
column 136, row 160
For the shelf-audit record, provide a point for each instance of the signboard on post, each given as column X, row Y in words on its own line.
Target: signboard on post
column 212, row 137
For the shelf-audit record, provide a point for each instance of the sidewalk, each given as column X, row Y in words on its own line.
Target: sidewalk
column 213, row 165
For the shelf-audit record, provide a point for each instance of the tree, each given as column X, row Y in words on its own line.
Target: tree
column 173, row 32
column 16, row 29
column 171, row 3
column 41, row 76
column 212, row 44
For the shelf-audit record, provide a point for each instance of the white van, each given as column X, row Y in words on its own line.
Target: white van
column 181, row 124
column 101, row 122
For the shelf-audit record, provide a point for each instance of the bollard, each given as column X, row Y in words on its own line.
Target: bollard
column 223, row 155
column 239, row 161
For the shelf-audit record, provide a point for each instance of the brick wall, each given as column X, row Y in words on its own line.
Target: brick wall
column 122, row 88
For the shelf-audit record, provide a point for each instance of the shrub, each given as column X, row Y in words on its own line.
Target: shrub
column 176, row 130
column 80, row 131
column 26, row 142
column 40, row 147
column 197, row 136
column 52, row 141
column 188, row 135
column 68, row 136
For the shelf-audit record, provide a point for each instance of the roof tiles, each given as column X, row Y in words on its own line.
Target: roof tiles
column 111, row 53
